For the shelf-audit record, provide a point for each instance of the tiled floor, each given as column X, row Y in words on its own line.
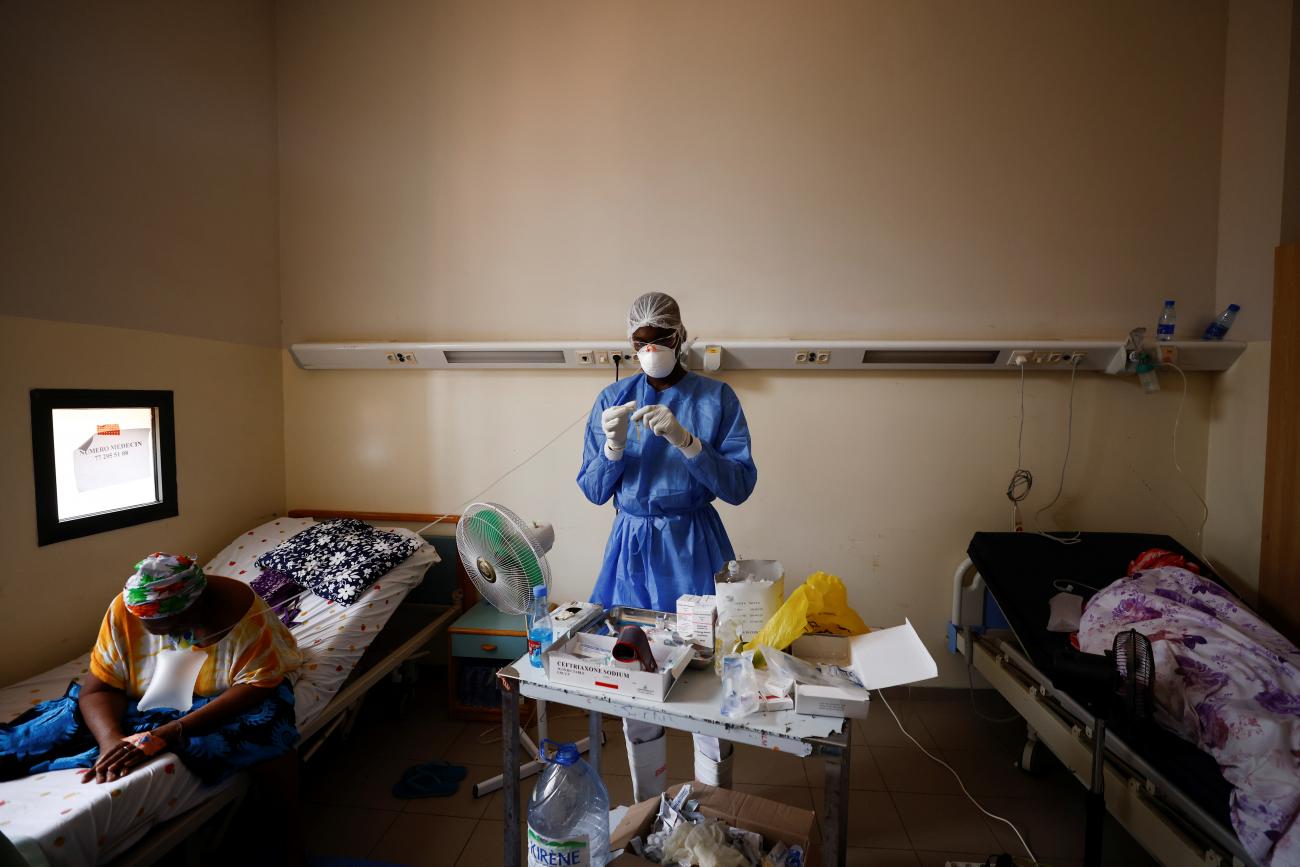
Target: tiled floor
column 904, row 809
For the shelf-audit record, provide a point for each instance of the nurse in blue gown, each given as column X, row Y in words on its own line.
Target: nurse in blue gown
column 667, row 540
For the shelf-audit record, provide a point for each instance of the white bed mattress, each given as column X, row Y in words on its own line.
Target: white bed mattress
column 54, row 819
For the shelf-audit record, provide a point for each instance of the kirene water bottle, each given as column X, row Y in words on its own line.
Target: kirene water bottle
column 540, row 633
column 568, row 816
column 1165, row 326
column 1218, row 329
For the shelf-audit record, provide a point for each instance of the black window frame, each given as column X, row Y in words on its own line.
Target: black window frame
column 49, row 529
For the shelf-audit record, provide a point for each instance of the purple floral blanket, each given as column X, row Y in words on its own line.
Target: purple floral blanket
column 1225, row 681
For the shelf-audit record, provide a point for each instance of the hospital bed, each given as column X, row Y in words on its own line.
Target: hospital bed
column 1167, row 793
column 53, row 819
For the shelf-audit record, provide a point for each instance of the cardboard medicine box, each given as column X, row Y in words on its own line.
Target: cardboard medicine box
column 775, row 822
column 584, row 661
column 696, row 616
column 880, row 659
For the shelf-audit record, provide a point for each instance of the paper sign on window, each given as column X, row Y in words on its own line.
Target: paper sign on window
column 114, row 458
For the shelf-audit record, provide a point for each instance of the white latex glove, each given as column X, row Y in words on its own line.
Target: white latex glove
column 614, row 422
column 663, row 423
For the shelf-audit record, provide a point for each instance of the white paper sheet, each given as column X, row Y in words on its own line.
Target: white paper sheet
column 893, row 656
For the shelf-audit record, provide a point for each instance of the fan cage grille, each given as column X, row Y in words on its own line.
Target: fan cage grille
column 504, row 541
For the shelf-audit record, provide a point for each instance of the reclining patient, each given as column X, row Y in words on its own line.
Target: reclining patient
column 1225, row 681
column 194, row 664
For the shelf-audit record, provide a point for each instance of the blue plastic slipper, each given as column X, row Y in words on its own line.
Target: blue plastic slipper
column 421, row 783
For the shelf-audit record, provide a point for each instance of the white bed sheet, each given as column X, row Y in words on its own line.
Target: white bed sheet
column 55, row 819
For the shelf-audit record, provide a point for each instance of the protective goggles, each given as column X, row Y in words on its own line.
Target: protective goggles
column 669, row 342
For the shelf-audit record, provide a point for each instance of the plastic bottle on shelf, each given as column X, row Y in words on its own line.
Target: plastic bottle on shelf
column 540, row 631
column 568, row 816
column 1218, row 329
column 1146, row 371
column 1168, row 319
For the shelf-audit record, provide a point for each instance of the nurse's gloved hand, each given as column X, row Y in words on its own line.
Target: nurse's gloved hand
column 662, row 422
column 614, row 422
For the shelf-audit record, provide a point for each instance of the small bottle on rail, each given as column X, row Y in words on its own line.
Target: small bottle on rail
column 1168, row 319
column 1218, row 329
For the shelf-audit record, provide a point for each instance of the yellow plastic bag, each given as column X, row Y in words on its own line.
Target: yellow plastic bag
column 820, row 604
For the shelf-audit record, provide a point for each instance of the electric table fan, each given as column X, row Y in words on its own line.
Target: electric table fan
column 505, row 557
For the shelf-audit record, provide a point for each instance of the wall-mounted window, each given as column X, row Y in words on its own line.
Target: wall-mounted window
column 103, row 459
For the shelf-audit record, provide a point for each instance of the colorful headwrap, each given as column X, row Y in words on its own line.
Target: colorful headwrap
column 1154, row 558
column 163, row 585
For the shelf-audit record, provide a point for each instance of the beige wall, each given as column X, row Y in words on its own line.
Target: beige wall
column 1235, row 472
column 137, row 166
column 229, row 470
column 137, row 219
column 1256, row 85
column 511, row 170
column 925, row 169
column 878, row 478
column 1256, row 97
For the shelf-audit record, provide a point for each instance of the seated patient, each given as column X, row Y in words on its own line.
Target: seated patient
column 242, row 711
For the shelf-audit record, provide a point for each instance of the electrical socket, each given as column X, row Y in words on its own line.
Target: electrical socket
column 801, row 357
column 1019, row 357
column 402, row 358
column 584, row 356
column 821, row 357
column 1168, row 354
column 602, row 357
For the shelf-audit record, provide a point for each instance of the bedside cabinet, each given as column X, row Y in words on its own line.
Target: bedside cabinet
column 481, row 641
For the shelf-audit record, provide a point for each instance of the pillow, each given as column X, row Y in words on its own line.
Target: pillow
column 338, row 560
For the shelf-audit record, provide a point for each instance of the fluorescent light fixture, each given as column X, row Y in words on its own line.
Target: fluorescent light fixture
column 930, row 356
column 503, row 356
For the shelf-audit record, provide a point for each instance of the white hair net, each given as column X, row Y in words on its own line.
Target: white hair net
column 657, row 310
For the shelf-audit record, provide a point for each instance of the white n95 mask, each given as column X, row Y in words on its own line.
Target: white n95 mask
column 657, row 362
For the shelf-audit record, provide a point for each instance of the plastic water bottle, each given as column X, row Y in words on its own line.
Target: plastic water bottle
column 1168, row 319
column 568, row 816
column 1218, row 329
column 540, row 633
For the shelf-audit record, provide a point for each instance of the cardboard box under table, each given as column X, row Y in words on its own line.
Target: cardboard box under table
column 776, row 822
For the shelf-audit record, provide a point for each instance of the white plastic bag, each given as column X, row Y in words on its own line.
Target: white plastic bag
column 174, row 677
column 740, row 695
column 1066, row 609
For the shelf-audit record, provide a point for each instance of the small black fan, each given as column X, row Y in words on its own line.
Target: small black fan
column 1135, row 670
column 1121, row 685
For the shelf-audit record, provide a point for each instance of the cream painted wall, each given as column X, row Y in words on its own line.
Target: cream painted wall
column 1256, row 94
column 137, row 182
column 229, row 468
column 1256, row 85
column 880, row 479
column 1238, row 432
column 138, row 197
column 459, row 170
column 510, row 170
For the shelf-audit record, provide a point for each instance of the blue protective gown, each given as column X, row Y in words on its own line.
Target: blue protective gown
column 667, row 538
